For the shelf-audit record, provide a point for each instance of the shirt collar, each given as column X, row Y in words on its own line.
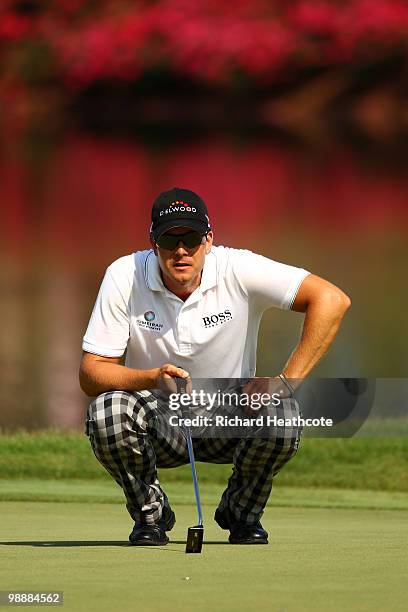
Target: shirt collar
column 209, row 275
column 152, row 273
column 154, row 281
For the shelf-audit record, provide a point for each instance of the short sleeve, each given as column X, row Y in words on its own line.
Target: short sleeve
column 108, row 329
column 268, row 282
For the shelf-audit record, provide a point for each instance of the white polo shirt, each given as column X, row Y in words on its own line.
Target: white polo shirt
column 212, row 334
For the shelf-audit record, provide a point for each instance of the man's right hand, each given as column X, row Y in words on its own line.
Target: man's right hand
column 166, row 378
column 99, row 374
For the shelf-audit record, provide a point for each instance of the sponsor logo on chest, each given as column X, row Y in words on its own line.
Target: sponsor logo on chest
column 149, row 322
column 216, row 319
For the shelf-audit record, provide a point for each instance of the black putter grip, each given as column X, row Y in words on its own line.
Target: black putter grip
column 181, row 384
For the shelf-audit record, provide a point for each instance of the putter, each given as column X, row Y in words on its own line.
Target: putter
column 195, row 534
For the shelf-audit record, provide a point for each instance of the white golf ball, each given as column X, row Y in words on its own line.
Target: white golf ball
column 187, row 578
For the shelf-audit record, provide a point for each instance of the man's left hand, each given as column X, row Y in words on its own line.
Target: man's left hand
column 273, row 386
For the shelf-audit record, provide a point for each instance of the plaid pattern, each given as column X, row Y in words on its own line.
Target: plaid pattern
column 131, row 436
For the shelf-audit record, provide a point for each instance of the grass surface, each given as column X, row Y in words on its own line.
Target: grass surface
column 334, row 544
column 318, row 559
column 379, row 464
column 181, row 493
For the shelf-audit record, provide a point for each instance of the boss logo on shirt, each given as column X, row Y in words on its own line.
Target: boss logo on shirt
column 217, row 319
column 148, row 321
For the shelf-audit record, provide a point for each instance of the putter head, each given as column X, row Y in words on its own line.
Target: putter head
column 195, row 536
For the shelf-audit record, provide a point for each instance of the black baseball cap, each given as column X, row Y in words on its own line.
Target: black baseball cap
column 179, row 208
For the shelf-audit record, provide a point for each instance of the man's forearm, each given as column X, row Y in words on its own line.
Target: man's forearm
column 102, row 376
column 322, row 321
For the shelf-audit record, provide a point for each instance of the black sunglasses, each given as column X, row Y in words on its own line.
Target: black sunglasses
column 189, row 239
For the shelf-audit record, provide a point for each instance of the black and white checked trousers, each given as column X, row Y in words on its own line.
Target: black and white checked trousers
column 131, row 436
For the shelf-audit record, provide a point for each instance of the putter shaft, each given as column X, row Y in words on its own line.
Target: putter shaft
column 194, row 474
column 195, row 534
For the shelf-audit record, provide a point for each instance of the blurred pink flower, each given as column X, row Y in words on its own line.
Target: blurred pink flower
column 207, row 40
column 13, row 27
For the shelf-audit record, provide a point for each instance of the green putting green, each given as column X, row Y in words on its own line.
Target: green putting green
column 329, row 559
